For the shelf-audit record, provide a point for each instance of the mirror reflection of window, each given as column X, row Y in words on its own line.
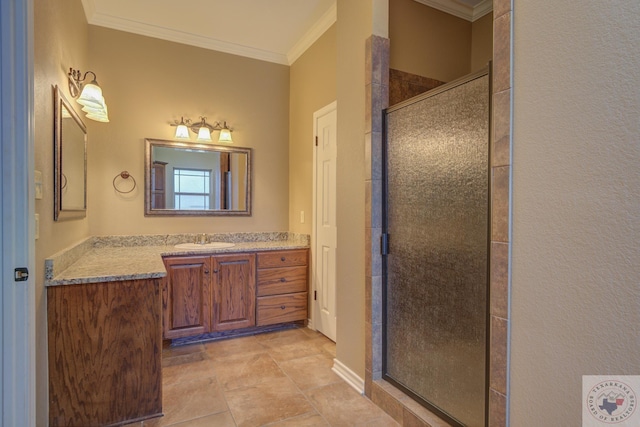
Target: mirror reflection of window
column 192, row 189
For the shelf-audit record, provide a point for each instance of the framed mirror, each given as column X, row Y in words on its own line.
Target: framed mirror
column 185, row 178
column 70, row 161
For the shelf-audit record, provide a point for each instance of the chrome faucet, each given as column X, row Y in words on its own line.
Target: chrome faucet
column 201, row 239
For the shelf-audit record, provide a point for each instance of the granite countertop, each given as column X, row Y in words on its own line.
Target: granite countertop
column 112, row 259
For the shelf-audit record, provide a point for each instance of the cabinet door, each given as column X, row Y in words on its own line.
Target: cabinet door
column 186, row 298
column 234, row 292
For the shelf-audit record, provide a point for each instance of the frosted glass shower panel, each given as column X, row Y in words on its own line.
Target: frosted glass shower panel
column 437, row 205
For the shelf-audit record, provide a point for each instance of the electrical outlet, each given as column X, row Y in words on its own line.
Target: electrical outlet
column 37, row 226
column 301, row 217
column 38, row 185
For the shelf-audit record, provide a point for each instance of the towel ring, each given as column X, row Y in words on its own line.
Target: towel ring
column 124, row 175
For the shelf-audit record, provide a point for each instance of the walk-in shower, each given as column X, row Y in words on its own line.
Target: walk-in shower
column 436, row 225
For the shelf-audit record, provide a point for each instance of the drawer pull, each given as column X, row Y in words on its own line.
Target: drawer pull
column 283, row 259
column 283, row 307
column 283, row 280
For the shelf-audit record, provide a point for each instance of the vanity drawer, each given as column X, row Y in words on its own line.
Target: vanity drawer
column 282, row 280
column 281, row 308
column 282, row 258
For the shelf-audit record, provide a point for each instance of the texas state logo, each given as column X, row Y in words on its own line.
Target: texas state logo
column 610, row 400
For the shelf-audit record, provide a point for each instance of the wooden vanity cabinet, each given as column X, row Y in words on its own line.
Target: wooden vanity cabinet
column 229, row 292
column 234, row 291
column 105, row 353
column 186, row 296
column 205, row 294
column 282, row 286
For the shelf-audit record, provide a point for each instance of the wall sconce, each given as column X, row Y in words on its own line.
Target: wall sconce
column 91, row 99
column 203, row 129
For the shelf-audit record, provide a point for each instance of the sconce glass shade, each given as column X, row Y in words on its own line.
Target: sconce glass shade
column 91, row 95
column 182, row 132
column 98, row 118
column 90, row 109
column 204, row 134
column 97, row 114
column 225, row 136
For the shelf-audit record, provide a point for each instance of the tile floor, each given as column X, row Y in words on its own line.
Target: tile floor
column 277, row 379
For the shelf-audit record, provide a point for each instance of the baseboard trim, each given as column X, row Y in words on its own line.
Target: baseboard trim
column 348, row 375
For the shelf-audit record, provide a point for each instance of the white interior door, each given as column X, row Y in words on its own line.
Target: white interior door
column 17, row 209
column 325, row 230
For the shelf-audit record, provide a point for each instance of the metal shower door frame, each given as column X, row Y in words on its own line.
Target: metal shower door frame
column 384, row 243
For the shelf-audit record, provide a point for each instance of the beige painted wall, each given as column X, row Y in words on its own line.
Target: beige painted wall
column 312, row 86
column 60, row 42
column 575, row 300
column 149, row 82
column 481, row 42
column 428, row 42
column 354, row 27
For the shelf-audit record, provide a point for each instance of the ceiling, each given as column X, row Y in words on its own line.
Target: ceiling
column 275, row 30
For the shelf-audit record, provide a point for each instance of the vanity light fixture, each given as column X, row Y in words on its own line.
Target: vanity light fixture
column 202, row 129
column 182, row 131
column 91, row 99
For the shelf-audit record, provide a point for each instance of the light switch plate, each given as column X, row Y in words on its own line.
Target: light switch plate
column 38, row 183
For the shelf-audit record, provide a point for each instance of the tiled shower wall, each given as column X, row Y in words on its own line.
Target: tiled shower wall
column 500, row 215
column 404, row 85
column 398, row 405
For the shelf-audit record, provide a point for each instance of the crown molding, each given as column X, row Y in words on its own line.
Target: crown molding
column 482, row 9
column 116, row 23
column 314, row 33
column 89, row 7
column 460, row 10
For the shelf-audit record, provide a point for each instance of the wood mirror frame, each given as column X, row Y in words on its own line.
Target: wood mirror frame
column 225, row 174
column 70, row 161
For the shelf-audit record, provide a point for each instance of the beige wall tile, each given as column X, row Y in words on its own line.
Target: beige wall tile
column 498, row 363
column 499, row 279
column 387, row 402
column 501, row 140
column 502, row 53
column 497, row 409
column 500, row 204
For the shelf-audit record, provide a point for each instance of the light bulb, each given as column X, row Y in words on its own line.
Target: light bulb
column 204, row 134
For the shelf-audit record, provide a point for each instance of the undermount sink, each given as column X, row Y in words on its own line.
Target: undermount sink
column 212, row 245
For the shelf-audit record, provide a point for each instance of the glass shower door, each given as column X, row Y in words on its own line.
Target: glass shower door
column 437, row 224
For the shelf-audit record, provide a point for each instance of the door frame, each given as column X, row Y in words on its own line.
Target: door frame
column 321, row 112
column 17, row 163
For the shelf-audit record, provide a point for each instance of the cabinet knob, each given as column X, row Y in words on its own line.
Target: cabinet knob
column 283, row 259
column 215, row 271
column 283, row 307
column 206, row 272
column 283, row 280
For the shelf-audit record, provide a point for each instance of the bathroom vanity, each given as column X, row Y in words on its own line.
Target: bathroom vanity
column 217, row 293
column 111, row 301
column 105, row 352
